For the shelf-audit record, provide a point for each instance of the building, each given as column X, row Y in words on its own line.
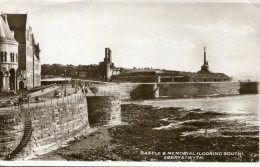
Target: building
column 156, row 75
column 20, row 54
column 99, row 72
column 8, row 56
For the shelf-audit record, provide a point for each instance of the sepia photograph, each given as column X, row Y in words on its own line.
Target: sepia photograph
column 129, row 82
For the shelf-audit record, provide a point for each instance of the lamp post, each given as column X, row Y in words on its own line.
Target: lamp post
column 76, row 78
column 65, row 91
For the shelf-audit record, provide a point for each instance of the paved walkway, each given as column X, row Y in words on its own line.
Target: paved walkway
column 40, row 92
column 50, row 102
column 4, row 109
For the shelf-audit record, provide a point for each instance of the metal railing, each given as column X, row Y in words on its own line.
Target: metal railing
column 73, row 98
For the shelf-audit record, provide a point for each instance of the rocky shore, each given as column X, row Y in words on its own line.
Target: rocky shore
column 165, row 134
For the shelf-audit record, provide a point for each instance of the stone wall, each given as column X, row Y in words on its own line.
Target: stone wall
column 127, row 90
column 53, row 124
column 195, row 89
column 11, row 131
column 170, row 89
column 110, row 88
column 135, row 79
column 145, row 91
column 104, row 110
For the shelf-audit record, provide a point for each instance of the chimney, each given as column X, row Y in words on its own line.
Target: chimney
column 106, row 53
column 110, row 53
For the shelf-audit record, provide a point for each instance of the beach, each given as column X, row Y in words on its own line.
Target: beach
column 150, row 133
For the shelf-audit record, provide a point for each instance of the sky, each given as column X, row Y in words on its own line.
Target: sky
column 160, row 34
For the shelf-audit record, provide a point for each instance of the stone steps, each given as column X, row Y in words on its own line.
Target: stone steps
column 25, row 139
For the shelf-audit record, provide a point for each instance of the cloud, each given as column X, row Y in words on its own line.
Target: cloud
column 222, row 28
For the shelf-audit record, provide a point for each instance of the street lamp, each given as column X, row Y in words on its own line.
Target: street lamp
column 76, row 77
column 65, row 91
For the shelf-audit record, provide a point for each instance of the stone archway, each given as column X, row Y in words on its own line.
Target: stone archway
column 1, row 80
column 21, row 85
column 12, row 79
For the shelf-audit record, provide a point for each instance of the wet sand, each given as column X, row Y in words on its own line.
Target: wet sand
column 165, row 134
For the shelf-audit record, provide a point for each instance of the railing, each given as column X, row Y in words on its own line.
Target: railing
column 50, row 102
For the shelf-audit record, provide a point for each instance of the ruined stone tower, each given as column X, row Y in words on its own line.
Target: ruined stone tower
column 106, row 66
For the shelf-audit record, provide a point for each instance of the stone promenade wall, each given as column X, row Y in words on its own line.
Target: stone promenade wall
column 127, row 90
column 110, row 88
column 171, row 89
column 53, row 124
column 195, row 89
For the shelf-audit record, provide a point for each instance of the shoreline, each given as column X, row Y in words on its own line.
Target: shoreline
column 127, row 101
column 137, row 138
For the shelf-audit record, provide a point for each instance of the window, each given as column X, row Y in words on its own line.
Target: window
column 12, row 57
column 5, row 57
column 16, row 57
column 2, row 57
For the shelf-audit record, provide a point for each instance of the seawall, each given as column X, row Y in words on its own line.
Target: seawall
column 37, row 128
column 42, row 127
column 54, row 125
column 197, row 89
column 126, row 90
column 249, row 88
column 129, row 90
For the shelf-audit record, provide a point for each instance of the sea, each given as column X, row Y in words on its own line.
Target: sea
column 241, row 112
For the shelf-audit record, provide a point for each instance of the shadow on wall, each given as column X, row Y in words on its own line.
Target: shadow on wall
column 248, row 88
column 145, row 91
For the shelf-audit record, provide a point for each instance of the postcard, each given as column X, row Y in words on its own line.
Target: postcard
column 129, row 83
